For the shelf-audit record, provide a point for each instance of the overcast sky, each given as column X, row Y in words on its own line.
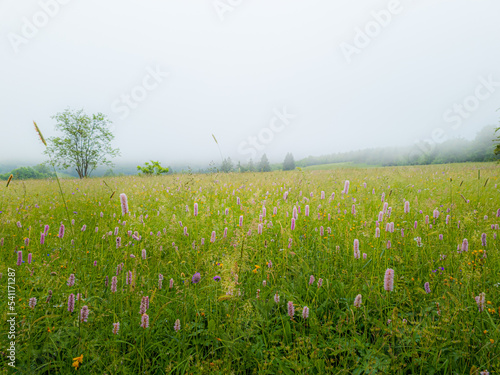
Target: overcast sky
column 269, row 76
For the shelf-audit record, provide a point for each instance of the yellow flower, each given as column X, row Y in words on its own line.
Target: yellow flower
column 75, row 364
column 79, row 359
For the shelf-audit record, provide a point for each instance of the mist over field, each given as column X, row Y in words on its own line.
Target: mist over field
column 287, row 76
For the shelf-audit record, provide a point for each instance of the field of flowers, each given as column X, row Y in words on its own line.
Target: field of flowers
column 345, row 271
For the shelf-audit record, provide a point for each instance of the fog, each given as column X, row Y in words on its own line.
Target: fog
column 307, row 77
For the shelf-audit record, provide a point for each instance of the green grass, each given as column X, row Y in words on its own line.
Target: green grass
column 225, row 328
column 320, row 167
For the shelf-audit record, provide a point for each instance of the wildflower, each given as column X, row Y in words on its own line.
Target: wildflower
column 144, row 305
column 485, row 372
column 195, row 212
column 128, row 279
column 241, row 221
column 177, row 325
column 32, row 302
column 114, row 281
column 77, row 361
column 259, row 229
column 465, row 245
column 145, row 321
column 346, row 187
column 264, row 282
column 196, row 278
column 225, row 232
column 29, row 258
column 19, row 258
column 305, row 312
column 480, row 300
column 427, row 288
column 419, row 241
column 71, row 280
column 291, row 309
column 217, row 278
column 124, row 204
column 293, row 223
column 171, row 285
column 357, row 301
column 389, row 280
column 306, row 213
column 71, row 302
column 276, row 298
column 407, row 207
column 61, row 231
column 320, row 282
column 84, row 314
column 269, row 264
column 311, row 280
column 116, row 328
column 483, row 239
column 212, row 237
column 377, row 232
column 356, row 249
column 435, row 213
column 143, row 253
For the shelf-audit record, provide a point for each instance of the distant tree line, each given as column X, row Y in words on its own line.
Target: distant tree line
column 262, row 166
column 480, row 149
column 484, row 147
column 25, row 173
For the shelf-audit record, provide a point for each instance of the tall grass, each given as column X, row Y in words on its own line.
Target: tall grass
column 224, row 327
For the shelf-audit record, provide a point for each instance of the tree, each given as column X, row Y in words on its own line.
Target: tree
column 227, row 165
column 497, row 148
column 289, row 163
column 152, row 169
column 85, row 143
column 250, row 166
column 264, row 164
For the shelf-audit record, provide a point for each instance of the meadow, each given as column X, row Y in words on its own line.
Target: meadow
column 342, row 271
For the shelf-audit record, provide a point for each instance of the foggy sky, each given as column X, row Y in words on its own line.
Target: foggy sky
column 275, row 76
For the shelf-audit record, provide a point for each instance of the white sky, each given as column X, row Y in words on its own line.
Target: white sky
column 230, row 70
